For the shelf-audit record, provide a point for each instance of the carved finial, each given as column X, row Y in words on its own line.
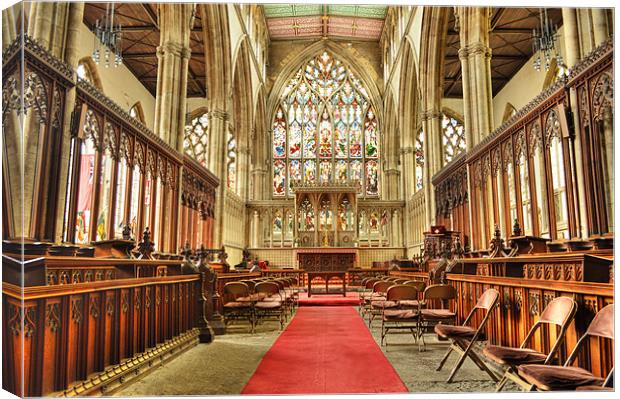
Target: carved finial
column 202, row 255
column 222, row 256
column 126, row 232
column 497, row 232
column 146, row 246
column 516, row 229
column 186, row 251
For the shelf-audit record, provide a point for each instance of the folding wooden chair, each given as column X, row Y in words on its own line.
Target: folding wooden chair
column 270, row 306
column 441, row 294
column 395, row 316
column 568, row 377
column 379, row 291
column 464, row 337
column 559, row 312
column 238, row 303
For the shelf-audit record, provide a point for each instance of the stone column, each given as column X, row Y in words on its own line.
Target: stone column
column 475, row 56
column 11, row 23
column 572, row 55
column 431, row 122
column 599, row 22
column 175, row 22
column 255, row 230
column 390, row 183
column 243, row 160
column 218, row 127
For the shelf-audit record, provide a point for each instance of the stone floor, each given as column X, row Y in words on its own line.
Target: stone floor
column 224, row 366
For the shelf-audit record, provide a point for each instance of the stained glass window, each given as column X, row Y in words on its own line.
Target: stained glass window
column 419, row 160
column 196, row 140
column 232, row 162
column 453, row 137
column 325, row 130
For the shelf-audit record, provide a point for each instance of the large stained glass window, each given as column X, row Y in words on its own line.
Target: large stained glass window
column 325, row 130
column 419, row 160
column 453, row 137
column 196, row 140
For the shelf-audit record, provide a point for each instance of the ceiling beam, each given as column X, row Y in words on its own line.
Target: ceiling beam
column 151, row 54
column 149, row 28
column 496, row 17
column 151, row 14
column 500, row 31
column 493, row 57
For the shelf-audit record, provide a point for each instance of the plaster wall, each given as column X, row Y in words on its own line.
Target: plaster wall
column 119, row 84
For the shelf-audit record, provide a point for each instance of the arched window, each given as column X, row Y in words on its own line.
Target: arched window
column 325, row 130
column 87, row 70
column 196, row 140
column 419, row 160
column 137, row 112
column 231, row 180
column 453, row 137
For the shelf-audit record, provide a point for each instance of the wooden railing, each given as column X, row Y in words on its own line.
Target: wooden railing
column 76, row 336
column 300, row 275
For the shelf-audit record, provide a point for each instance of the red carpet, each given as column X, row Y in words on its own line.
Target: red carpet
column 352, row 299
column 325, row 350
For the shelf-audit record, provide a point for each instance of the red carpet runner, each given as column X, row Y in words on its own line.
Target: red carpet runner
column 325, row 350
column 352, row 299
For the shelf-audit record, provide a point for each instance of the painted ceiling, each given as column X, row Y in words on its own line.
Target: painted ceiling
column 300, row 21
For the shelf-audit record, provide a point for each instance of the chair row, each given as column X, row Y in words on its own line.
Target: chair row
column 259, row 299
column 401, row 307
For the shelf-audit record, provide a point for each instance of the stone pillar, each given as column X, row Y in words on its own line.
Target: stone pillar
column 175, row 22
column 599, row 22
column 431, row 122
column 259, row 186
column 218, row 127
column 390, row 184
column 475, row 56
column 255, row 230
column 572, row 56
column 243, row 161
column 571, row 36
column 11, row 23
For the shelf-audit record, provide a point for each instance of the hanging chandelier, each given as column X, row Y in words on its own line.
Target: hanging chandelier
column 544, row 42
column 108, row 39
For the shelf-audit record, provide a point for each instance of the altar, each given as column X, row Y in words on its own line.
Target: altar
column 326, row 259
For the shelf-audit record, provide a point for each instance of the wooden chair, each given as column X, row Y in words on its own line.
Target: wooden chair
column 568, row 377
column 270, row 306
column 464, row 337
column 430, row 315
column 397, row 316
column 379, row 291
column 238, row 303
column 559, row 312
column 366, row 292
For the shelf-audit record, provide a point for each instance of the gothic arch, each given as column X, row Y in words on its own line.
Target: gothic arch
column 341, row 52
column 242, row 104
column 92, row 72
column 139, row 111
column 509, row 110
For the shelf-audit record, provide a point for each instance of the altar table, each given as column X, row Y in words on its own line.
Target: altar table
column 327, row 275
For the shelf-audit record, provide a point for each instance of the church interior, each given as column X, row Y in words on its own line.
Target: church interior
column 219, row 198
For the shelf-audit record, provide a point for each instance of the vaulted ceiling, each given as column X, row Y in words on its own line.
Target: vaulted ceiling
column 510, row 41
column 302, row 21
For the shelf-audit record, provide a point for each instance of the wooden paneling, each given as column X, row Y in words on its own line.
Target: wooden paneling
column 64, row 333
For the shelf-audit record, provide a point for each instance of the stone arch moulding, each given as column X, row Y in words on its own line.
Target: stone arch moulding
column 92, row 71
column 453, row 114
column 241, row 88
column 509, row 110
column 339, row 51
column 139, row 111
